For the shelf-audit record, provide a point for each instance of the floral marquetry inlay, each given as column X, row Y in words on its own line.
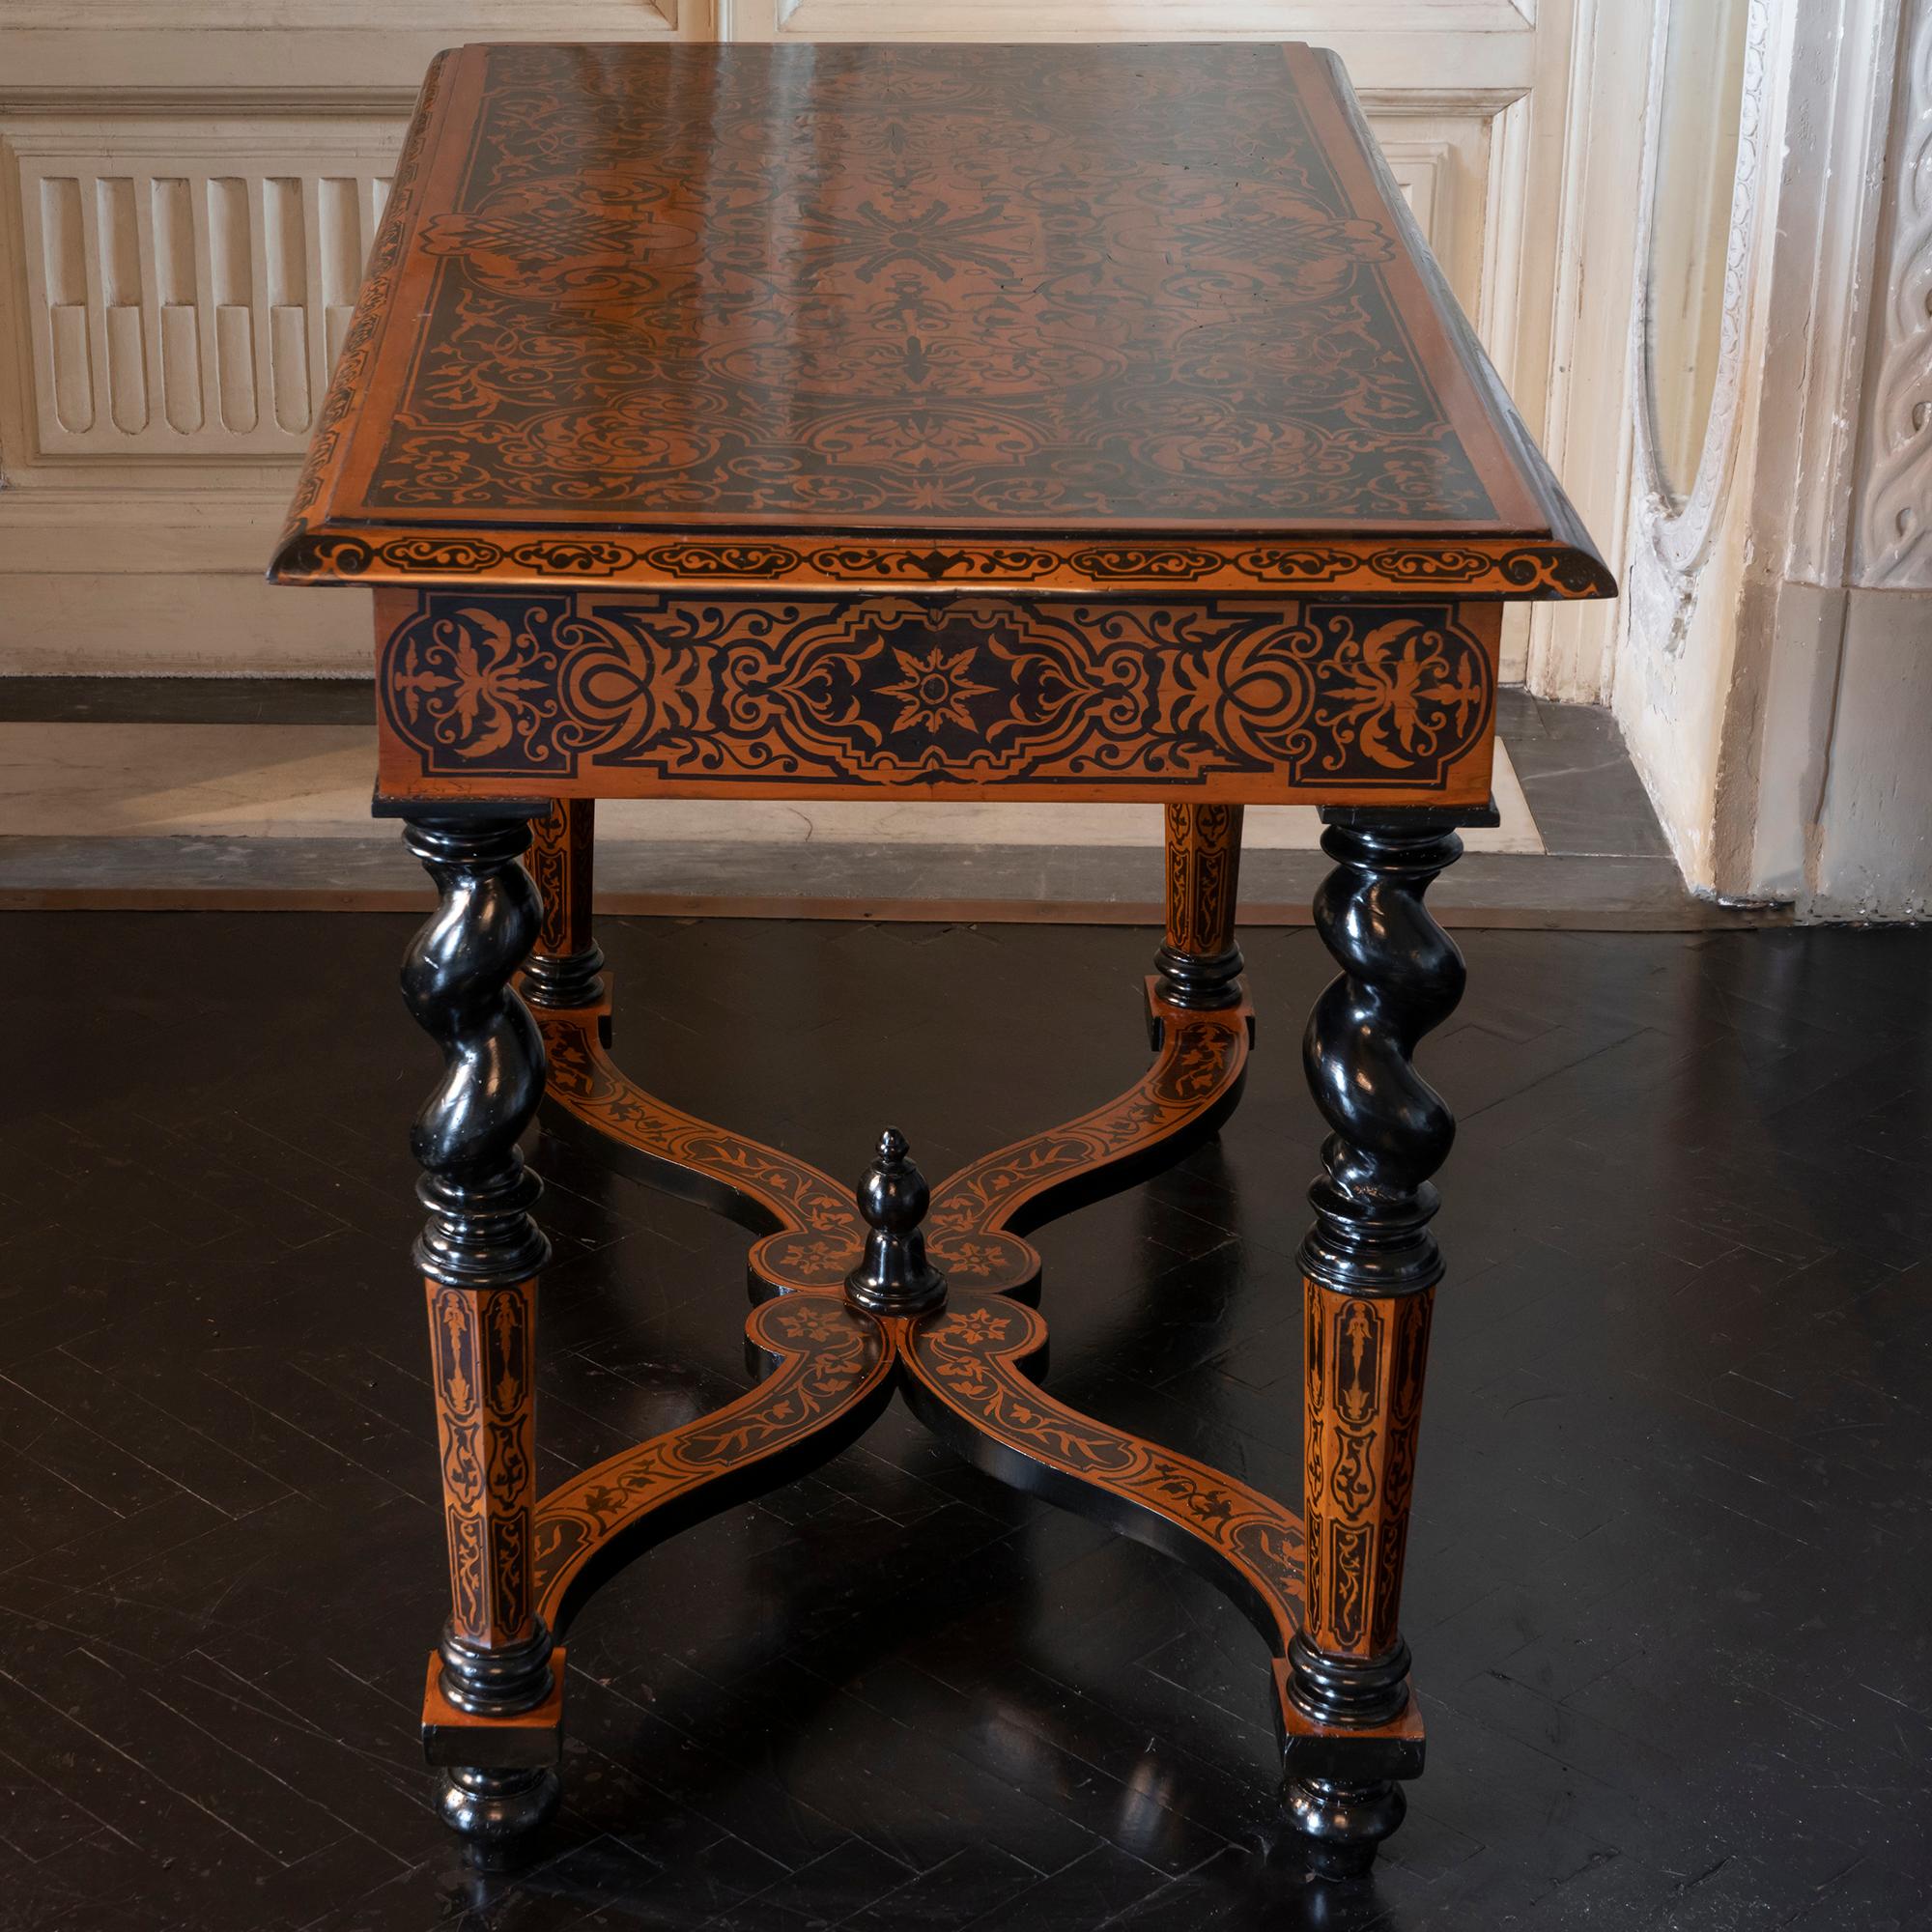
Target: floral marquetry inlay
column 897, row 315
column 640, row 695
column 629, row 298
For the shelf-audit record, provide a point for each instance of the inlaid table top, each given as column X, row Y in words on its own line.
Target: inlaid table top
column 1049, row 319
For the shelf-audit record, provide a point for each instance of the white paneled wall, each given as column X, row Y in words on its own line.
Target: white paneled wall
column 179, row 312
column 186, row 192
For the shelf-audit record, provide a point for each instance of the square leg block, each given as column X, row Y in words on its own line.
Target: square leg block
column 530, row 1741
column 1309, row 1750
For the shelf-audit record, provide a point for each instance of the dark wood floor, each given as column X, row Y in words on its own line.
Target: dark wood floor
column 1669, row 1577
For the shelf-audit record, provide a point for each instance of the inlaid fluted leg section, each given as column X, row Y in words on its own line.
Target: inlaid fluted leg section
column 1198, row 963
column 563, row 968
column 1369, row 1264
column 489, row 1720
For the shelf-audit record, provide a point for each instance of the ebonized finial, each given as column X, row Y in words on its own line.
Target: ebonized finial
column 895, row 1278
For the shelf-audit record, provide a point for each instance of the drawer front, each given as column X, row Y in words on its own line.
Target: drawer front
column 612, row 694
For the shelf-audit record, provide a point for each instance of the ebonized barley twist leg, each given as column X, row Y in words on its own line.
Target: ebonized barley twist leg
column 491, row 1713
column 1370, row 1266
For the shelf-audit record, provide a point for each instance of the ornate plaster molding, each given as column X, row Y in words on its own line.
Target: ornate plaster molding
column 1671, row 542
column 1893, row 546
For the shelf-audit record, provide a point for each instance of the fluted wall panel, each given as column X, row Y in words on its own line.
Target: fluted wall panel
column 184, row 304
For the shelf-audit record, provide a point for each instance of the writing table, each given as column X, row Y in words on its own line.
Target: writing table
column 943, row 422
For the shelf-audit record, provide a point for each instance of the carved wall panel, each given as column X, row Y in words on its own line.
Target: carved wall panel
column 184, row 302
column 1894, row 537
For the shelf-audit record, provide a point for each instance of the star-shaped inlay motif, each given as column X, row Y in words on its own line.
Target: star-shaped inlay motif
column 935, row 688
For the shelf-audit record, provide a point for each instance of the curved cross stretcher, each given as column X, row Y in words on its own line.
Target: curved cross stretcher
column 966, row 1368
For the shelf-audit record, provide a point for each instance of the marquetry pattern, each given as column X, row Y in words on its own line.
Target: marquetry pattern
column 1080, row 422
column 1363, row 1363
column 482, row 1348
column 640, row 695
column 978, row 1214
column 830, row 1364
column 827, row 1363
column 563, row 968
column 739, row 1175
column 987, row 316
column 1203, row 856
column 559, row 864
column 380, row 554
column 968, row 1381
column 1192, row 1086
column 1200, row 963
column 994, row 348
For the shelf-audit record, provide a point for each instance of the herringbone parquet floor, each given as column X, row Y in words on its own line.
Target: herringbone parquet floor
column 1669, row 1573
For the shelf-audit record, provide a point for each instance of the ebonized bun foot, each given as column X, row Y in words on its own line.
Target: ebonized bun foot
column 1340, row 1827
column 495, row 1806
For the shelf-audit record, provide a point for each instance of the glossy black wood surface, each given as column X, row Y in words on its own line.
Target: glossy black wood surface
column 456, row 983
column 1667, row 1591
column 1401, row 976
column 895, row 1277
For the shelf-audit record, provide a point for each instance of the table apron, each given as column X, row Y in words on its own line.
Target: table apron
column 613, row 693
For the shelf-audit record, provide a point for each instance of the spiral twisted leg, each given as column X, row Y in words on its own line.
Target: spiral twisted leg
column 491, row 1713
column 1369, row 1264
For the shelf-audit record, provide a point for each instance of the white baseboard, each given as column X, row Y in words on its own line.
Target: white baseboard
column 179, row 623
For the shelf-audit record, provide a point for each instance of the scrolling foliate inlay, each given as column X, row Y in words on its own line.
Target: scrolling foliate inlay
column 1363, row 1366
column 482, row 1351
column 1504, row 570
column 1203, row 855
column 559, row 863
column 640, row 693
column 778, row 1186
column 967, row 1380
column 826, row 1360
column 1196, row 1079
column 886, row 316
column 983, row 292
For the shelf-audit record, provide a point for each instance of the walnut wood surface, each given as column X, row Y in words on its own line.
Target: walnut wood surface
column 760, row 1188
column 1192, row 1086
column 482, row 1350
column 1203, row 849
column 560, row 864
column 613, row 693
column 1363, row 1366
column 1121, row 319
column 829, row 1367
column 967, row 1380
column 829, row 1373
